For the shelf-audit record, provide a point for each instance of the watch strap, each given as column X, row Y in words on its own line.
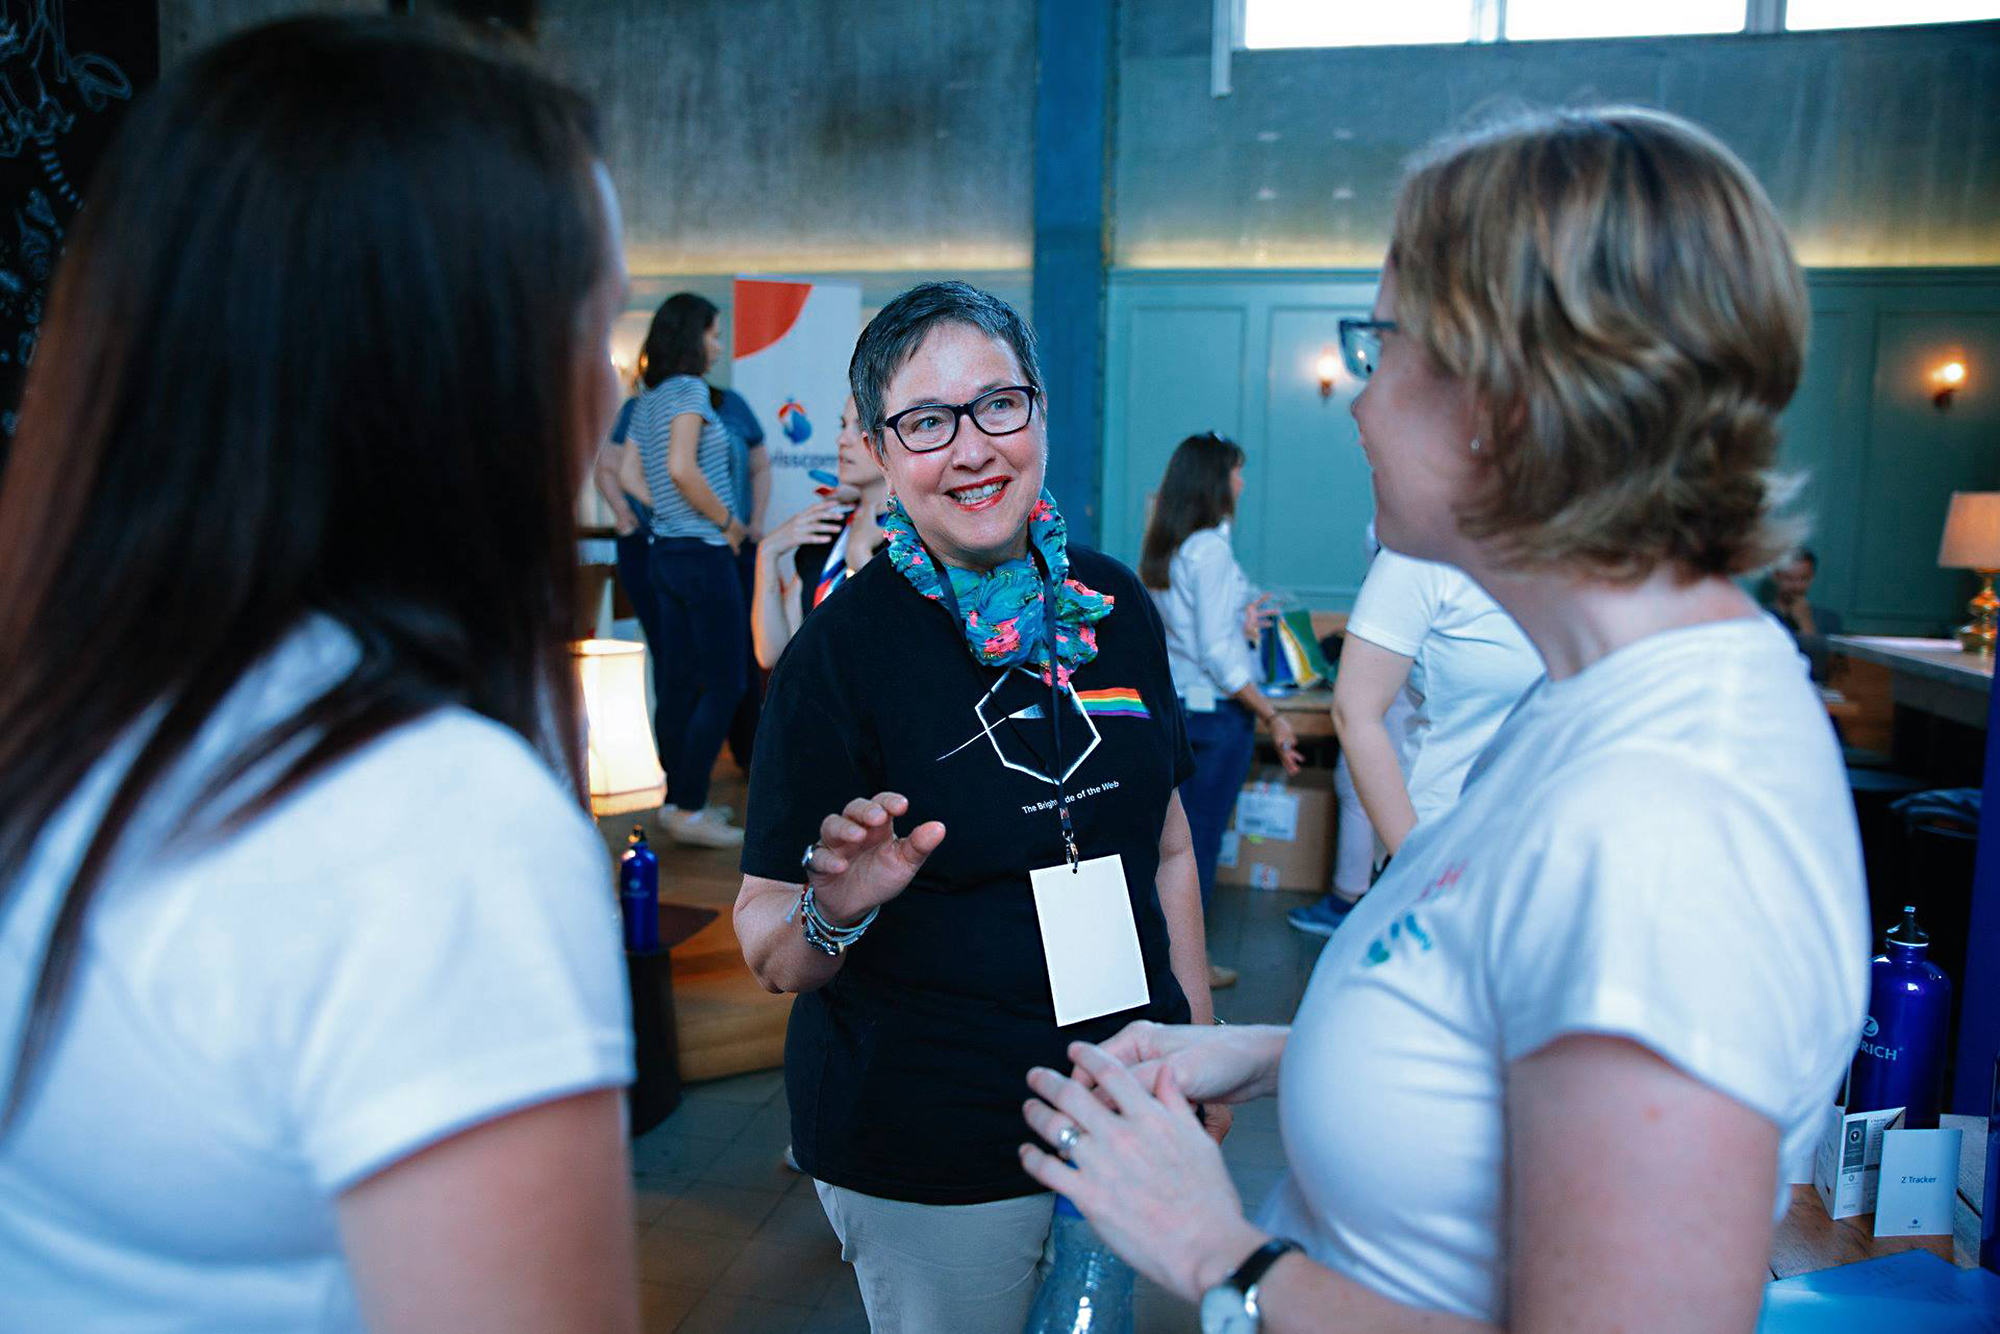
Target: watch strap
column 1247, row 1274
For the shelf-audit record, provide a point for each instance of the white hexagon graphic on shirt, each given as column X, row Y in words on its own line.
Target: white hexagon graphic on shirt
column 988, row 728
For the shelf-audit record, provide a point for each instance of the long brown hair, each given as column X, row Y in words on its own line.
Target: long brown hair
column 312, row 350
column 1195, row 494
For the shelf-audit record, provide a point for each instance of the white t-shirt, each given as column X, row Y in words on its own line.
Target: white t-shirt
column 1201, row 610
column 1471, row 665
column 1661, row 848
column 422, row 938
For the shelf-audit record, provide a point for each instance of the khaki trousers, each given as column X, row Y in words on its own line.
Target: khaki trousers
column 942, row 1268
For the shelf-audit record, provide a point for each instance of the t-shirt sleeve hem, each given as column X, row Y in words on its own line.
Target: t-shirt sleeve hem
column 1381, row 638
column 1621, row 1014
column 400, row 1122
column 771, row 866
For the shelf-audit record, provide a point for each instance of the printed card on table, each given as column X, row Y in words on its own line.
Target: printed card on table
column 1918, row 1194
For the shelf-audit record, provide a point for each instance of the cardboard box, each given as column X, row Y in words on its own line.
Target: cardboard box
column 1281, row 836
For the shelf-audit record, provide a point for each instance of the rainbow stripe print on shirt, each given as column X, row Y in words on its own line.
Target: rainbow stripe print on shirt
column 1117, row 702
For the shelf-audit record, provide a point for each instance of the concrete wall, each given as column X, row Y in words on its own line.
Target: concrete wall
column 801, row 135
column 1879, row 147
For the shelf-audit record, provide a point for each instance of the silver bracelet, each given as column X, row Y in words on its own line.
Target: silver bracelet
column 821, row 934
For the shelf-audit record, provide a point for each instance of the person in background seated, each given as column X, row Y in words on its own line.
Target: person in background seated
column 1788, row 596
column 805, row 558
column 1210, row 612
column 957, row 721
column 311, row 1002
column 1553, row 1073
column 701, row 664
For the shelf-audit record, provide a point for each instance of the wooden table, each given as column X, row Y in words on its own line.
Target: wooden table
column 1309, row 711
column 1931, row 675
column 1807, row 1240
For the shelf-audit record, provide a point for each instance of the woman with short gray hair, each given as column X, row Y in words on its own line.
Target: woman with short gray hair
column 975, row 745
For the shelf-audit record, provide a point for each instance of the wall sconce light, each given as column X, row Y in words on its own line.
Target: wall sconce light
column 1327, row 368
column 1946, row 381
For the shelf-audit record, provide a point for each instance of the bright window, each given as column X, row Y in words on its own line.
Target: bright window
column 1273, row 23
column 1804, row 14
column 1532, row 20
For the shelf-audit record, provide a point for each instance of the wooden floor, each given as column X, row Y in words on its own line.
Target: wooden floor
column 724, row 1021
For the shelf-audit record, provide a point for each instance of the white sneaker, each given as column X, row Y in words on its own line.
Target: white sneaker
column 714, row 810
column 699, row 829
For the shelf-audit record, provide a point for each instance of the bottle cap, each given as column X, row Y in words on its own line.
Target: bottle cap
column 638, row 834
column 1907, row 933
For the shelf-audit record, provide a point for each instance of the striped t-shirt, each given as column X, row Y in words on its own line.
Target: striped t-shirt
column 652, row 425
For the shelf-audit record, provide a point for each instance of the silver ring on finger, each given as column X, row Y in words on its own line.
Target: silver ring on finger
column 806, row 861
column 1066, row 1140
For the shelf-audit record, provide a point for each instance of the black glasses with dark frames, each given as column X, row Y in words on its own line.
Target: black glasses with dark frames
column 1361, row 345
column 930, row 426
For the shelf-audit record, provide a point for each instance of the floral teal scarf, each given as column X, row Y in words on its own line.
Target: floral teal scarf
column 1003, row 608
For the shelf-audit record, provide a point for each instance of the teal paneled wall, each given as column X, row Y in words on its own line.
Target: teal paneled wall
column 1236, row 352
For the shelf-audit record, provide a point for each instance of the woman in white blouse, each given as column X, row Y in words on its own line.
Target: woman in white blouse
column 1211, row 612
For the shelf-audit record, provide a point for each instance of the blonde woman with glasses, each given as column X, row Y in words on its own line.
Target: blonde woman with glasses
column 1552, row 1072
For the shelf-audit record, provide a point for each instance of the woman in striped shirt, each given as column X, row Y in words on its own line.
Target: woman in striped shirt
column 701, row 663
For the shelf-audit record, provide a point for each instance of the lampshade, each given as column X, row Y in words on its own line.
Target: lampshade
column 624, row 768
column 1972, row 532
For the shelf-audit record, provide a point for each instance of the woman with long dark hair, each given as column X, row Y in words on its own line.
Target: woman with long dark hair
column 310, row 1000
column 1209, row 608
column 701, row 660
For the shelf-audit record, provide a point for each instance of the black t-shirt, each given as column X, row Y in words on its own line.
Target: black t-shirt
column 906, row 1073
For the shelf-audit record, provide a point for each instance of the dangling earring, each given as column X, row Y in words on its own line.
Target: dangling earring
column 1475, row 444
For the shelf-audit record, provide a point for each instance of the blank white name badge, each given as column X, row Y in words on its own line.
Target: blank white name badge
column 1089, row 939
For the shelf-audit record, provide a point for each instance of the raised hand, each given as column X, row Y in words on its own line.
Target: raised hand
column 859, row 863
column 1256, row 616
column 817, row 522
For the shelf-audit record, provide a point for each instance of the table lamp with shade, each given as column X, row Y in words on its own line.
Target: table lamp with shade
column 1972, row 542
column 625, row 771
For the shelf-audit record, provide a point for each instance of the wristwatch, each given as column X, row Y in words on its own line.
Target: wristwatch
column 1230, row 1307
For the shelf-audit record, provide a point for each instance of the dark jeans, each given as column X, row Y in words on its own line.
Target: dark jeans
column 636, row 577
column 700, row 660
column 1223, row 743
column 743, row 727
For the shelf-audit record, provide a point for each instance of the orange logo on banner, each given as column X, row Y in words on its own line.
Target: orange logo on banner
column 765, row 312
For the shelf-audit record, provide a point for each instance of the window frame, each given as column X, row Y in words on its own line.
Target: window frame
column 1489, row 26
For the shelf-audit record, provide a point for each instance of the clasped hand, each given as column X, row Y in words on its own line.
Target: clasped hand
column 1141, row 1168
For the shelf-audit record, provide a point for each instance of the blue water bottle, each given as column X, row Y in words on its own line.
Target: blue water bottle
column 1088, row 1289
column 1901, row 1059
column 639, row 894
